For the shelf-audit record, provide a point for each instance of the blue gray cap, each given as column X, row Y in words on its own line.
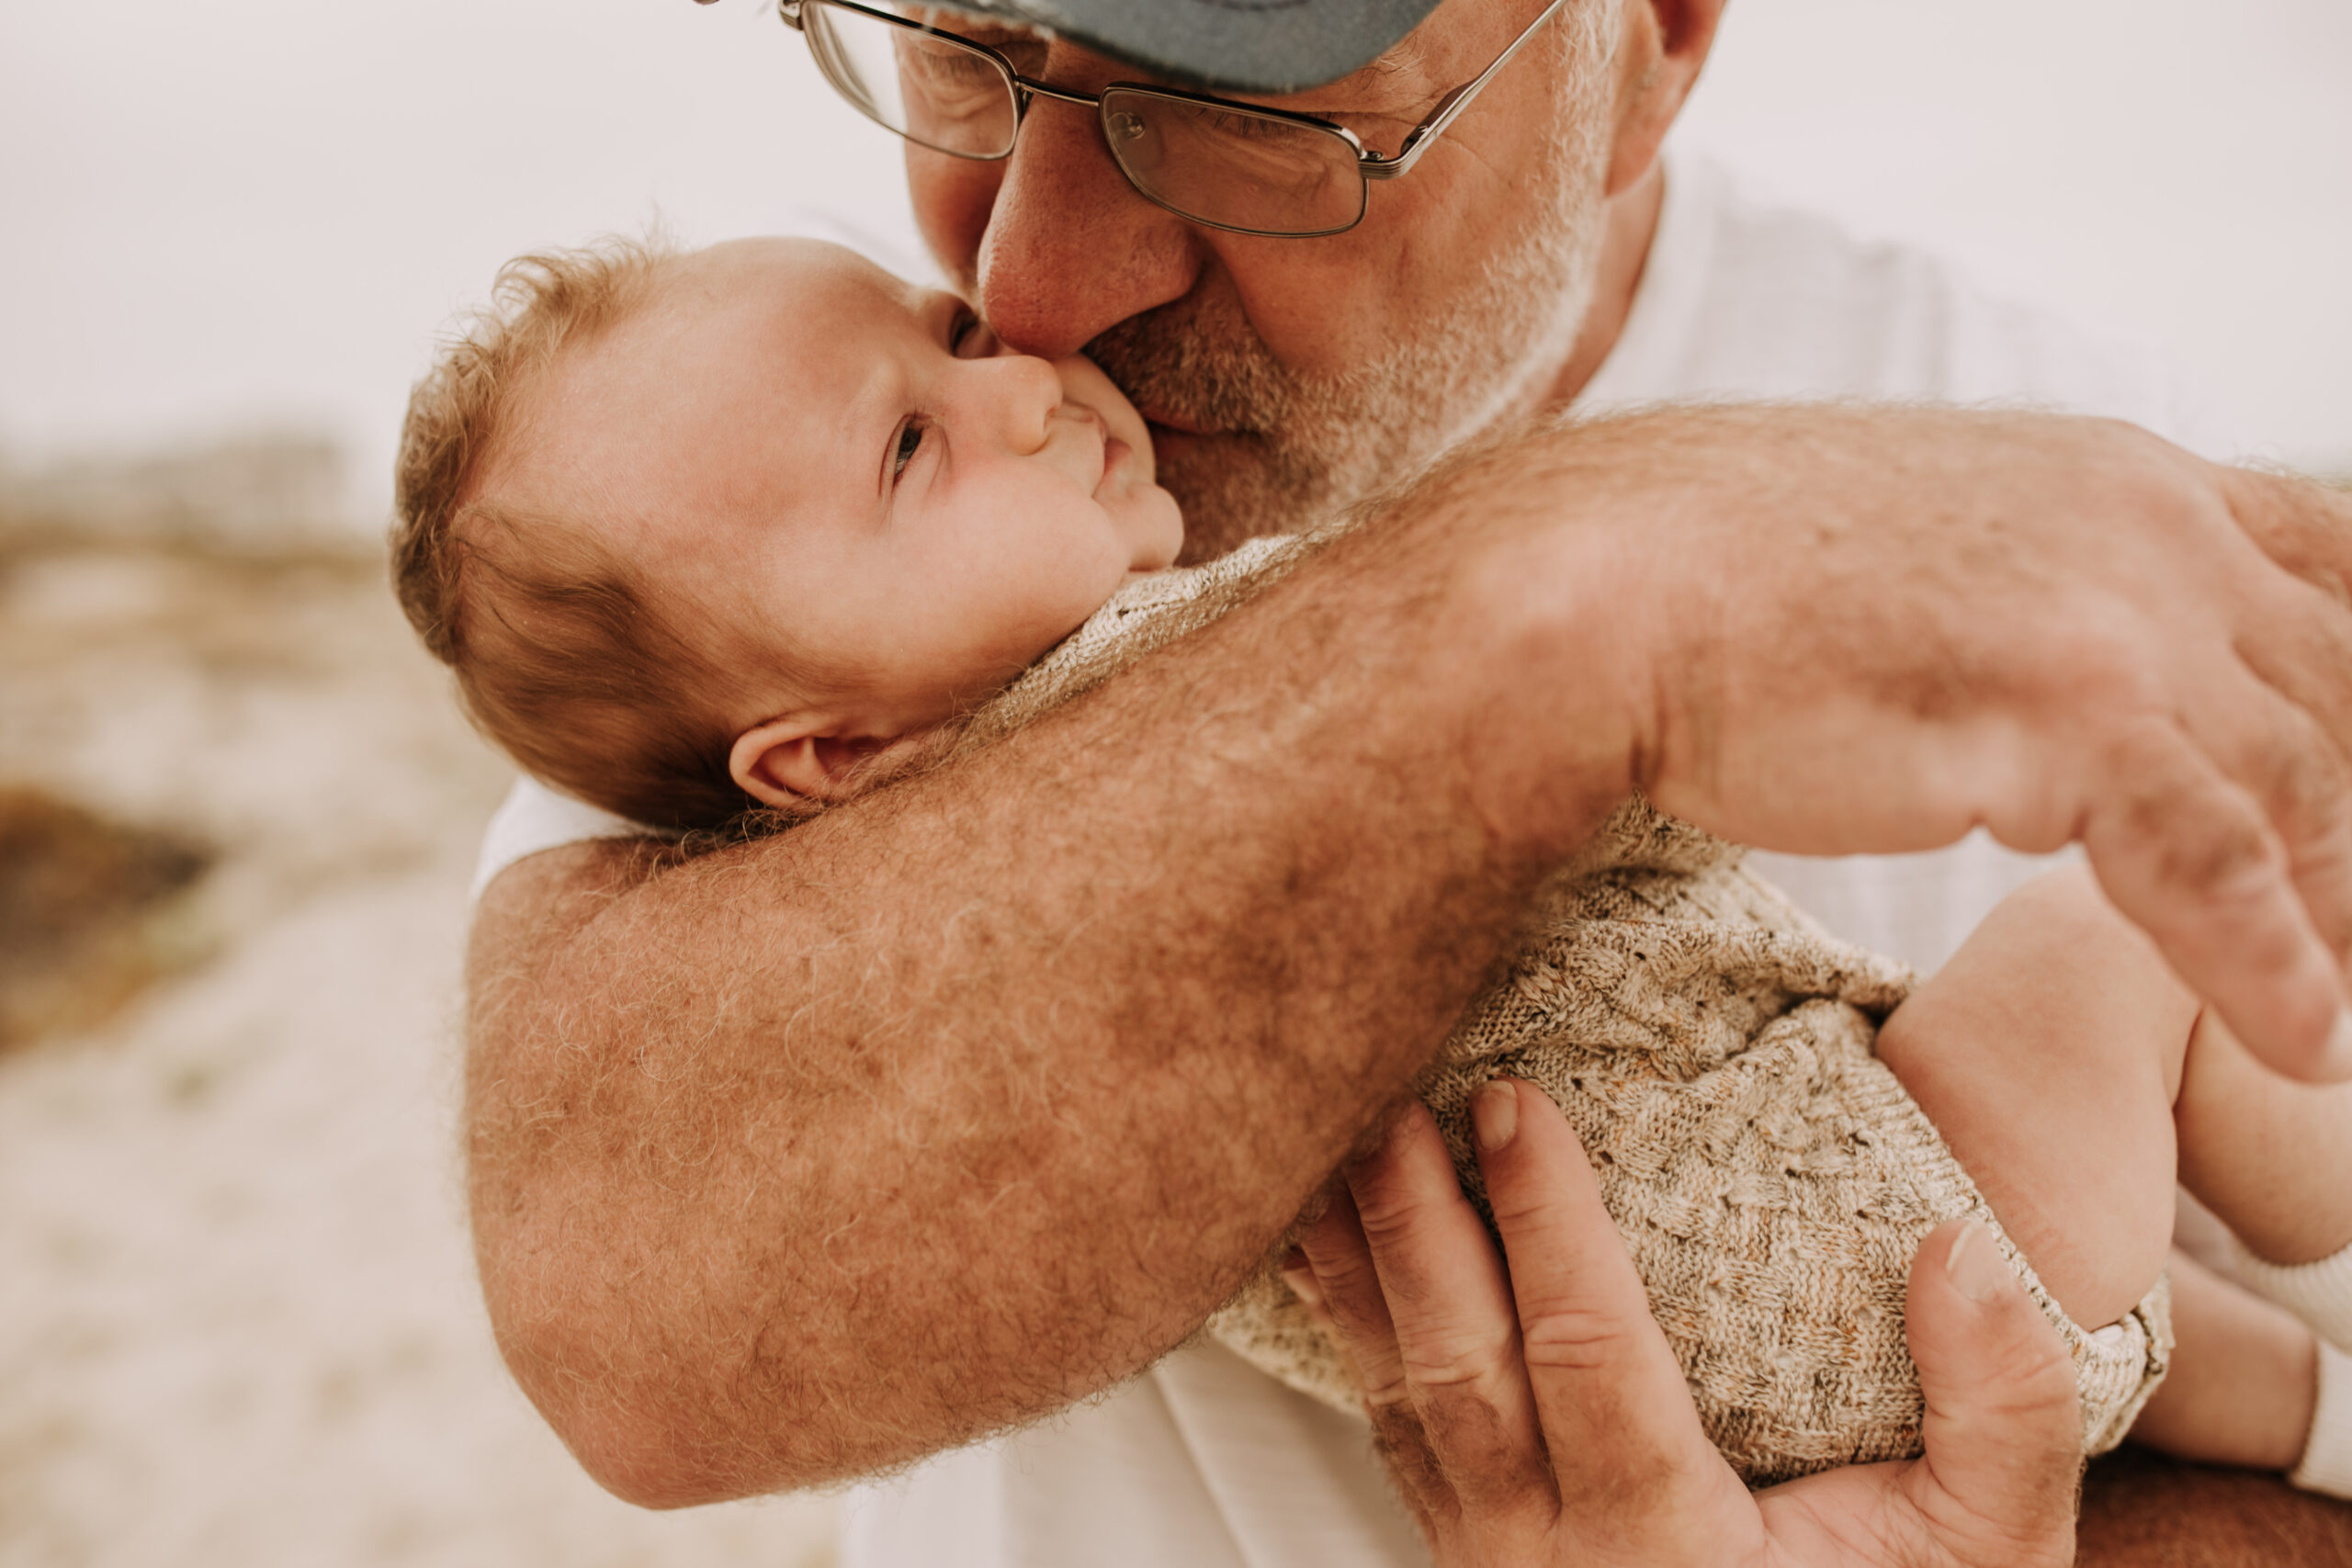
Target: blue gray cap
column 1242, row 46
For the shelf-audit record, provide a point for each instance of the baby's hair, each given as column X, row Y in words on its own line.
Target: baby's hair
column 559, row 653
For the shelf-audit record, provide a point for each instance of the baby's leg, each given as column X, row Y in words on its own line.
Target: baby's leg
column 2243, row 1378
column 2272, row 1158
column 2048, row 1052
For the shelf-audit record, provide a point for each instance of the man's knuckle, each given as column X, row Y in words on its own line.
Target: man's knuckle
column 1463, row 1357
column 1566, row 1338
column 2222, row 855
column 2199, row 833
column 2308, row 792
column 1386, row 1215
column 1535, row 1213
column 1347, row 1276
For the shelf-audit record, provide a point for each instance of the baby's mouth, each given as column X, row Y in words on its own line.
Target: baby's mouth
column 1114, row 453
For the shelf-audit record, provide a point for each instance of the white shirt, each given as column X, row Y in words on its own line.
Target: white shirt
column 1204, row 1462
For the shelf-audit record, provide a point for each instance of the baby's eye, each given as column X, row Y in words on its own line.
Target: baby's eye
column 910, row 443
column 968, row 339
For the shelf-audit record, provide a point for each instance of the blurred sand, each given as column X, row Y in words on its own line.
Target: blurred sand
column 238, row 1321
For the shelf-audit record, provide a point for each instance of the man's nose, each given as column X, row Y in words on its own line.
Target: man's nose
column 1072, row 248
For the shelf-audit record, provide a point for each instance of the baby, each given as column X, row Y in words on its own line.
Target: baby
column 751, row 529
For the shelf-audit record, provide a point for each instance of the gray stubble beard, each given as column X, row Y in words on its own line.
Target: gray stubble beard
column 1298, row 447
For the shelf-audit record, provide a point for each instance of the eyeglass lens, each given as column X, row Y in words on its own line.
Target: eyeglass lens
column 1213, row 163
column 1233, row 168
column 932, row 90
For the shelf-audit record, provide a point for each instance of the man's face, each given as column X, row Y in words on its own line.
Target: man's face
column 1286, row 378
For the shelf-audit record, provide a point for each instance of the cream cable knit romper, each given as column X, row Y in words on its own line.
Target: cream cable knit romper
column 1712, row 1049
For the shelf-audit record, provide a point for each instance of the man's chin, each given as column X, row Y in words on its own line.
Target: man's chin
column 1232, row 488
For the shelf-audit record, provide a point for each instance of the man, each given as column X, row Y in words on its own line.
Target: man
column 824, row 1154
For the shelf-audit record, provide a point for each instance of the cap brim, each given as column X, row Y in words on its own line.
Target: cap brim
column 1243, row 46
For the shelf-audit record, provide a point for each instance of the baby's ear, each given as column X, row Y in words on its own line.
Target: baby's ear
column 787, row 761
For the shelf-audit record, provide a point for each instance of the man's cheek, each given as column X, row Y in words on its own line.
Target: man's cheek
column 952, row 200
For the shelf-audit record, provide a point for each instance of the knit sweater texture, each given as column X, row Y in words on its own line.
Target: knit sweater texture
column 1714, row 1050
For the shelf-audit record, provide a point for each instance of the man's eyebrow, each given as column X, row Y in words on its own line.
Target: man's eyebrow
column 1407, row 55
column 1404, row 66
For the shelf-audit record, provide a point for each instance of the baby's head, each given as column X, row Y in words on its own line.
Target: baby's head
column 702, row 532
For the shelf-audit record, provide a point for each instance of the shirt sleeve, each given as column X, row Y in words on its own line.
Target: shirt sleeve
column 535, row 818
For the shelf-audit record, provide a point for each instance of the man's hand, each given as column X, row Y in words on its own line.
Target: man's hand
column 1537, row 1417
column 1871, row 631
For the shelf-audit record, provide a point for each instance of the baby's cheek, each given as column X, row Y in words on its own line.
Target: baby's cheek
column 1013, row 631
column 1161, row 531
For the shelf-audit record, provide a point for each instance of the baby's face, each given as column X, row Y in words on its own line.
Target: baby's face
column 834, row 471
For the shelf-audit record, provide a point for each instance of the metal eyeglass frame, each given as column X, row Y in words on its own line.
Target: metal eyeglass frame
column 1370, row 165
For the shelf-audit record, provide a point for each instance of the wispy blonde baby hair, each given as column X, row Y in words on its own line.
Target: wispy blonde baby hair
column 559, row 653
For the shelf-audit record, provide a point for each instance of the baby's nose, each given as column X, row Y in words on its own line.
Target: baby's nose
column 1026, row 393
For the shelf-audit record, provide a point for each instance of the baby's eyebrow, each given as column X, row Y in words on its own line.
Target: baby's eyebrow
column 938, row 310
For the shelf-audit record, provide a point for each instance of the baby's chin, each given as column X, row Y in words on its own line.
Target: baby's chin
column 1158, row 528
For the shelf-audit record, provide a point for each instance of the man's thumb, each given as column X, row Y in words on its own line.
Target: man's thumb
column 2004, row 1422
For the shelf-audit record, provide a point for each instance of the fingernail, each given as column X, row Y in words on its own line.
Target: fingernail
column 1493, row 1112
column 1976, row 1265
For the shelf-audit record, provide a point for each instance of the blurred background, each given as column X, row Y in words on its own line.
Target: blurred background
column 237, row 1317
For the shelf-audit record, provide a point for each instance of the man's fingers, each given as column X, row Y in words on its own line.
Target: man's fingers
column 1348, row 1299
column 2298, row 642
column 2191, row 857
column 1456, row 1332
column 1636, row 1475
column 2004, row 1422
column 1349, row 1286
column 2304, row 662
column 1350, row 1292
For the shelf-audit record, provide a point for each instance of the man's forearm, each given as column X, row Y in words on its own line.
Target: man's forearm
column 954, row 1106
column 966, row 1101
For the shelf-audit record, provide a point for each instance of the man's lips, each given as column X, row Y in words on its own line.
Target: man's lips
column 1160, row 418
column 1173, row 440
column 1170, row 446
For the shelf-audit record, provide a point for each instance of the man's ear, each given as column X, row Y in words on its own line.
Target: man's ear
column 799, row 758
column 1665, row 43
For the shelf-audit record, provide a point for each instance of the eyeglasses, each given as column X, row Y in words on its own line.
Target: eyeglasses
column 1224, row 164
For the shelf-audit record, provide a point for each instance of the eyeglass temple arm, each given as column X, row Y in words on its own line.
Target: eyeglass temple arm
column 1449, row 109
column 1376, row 167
